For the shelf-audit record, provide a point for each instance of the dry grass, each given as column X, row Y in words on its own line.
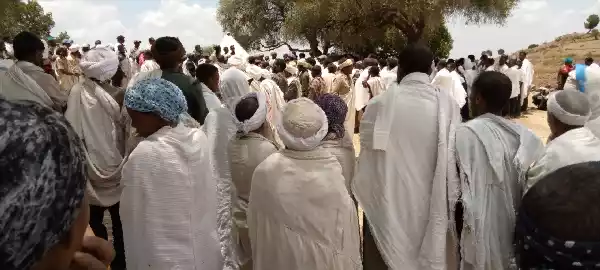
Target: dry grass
column 549, row 56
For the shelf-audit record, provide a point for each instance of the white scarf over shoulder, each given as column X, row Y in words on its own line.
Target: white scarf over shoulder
column 574, row 146
column 15, row 85
column 168, row 212
column 493, row 157
column 96, row 118
column 400, row 182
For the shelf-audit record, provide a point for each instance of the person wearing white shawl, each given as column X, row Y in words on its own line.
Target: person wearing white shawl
column 95, row 117
column 338, row 141
column 450, row 83
column 220, row 127
column 570, row 141
column 208, row 76
column 361, row 87
column 300, row 214
column 493, row 155
column 149, row 63
column 254, row 73
column 169, row 194
column 329, row 76
column 26, row 80
column 528, row 72
column 248, row 148
column 391, row 73
column 404, row 169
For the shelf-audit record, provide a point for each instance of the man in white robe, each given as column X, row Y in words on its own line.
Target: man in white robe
column 247, row 150
column 168, row 224
column 220, row 127
column 26, row 80
column 449, row 83
column 391, row 73
column 404, row 169
column 493, row 155
column 209, row 78
column 570, row 142
column 528, row 72
column 95, row 117
column 342, row 86
column 295, row 193
column 515, row 75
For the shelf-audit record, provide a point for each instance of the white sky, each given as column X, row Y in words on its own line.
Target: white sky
column 194, row 22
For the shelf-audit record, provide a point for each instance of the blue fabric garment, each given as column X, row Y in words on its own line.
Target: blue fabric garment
column 580, row 76
column 157, row 96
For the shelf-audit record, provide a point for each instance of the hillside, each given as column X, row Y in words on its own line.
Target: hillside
column 548, row 57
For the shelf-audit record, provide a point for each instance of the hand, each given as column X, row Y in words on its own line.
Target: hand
column 365, row 84
column 96, row 252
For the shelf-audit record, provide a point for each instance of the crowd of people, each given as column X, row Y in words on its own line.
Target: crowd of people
column 227, row 162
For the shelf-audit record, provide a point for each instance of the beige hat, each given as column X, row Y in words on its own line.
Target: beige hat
column 345, row 64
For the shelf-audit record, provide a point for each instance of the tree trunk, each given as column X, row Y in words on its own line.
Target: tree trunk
column 313, row 42
column 326, row 46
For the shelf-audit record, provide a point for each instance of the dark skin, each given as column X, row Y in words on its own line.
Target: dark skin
column 146, row 124
column 557, row 127
column 347, row 70
column 478, row 106
column 213, row 82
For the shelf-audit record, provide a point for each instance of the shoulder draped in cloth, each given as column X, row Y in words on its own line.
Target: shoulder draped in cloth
column 406, row 175
column 493, row 155
column 25, row 81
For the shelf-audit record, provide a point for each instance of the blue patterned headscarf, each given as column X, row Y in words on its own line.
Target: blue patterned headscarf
column 156, row 96
column 43, row 182
column 336, row 109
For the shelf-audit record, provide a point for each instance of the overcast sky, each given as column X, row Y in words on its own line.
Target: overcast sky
column 194, row 22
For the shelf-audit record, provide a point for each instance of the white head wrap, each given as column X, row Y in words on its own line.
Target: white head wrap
column 291, row 69
column 302, row 125
column 569, row 107
column 254, row 72
column 233, row 85
column 259, row 117
column 346, row 63
column 100, row 63
column 74, row 48
column 265, row 74
column 235, row 60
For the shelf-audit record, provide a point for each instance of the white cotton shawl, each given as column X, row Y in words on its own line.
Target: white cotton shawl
column 574, row 146
column 345, row 155
column 361, row 93
column 406, row 174
column 377, row 85
column 15, row 85
column 220, row 127
column 168, row 203
column 212, row 101
column 447, row 82
column 275, row 104
column 259, row 117
column 493, row 155
column 95, row 117
column 390, row 76
column 300, row 214
column 149, row 65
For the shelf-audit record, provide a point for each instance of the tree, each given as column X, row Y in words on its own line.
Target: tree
column 532, row 46
column 591, row 22
column 62, row 36
column 208, row 50
column 17, row 16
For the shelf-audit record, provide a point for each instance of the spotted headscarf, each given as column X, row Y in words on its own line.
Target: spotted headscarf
column 157, row 96
column 43, row 182
column 336, row 109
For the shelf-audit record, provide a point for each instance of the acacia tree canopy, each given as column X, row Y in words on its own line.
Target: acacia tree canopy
column 17, row 16
column 352, row 25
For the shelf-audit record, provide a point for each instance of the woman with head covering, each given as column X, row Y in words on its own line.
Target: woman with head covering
column 338, row 141
column 300, row 214
column 558, row 223
column 569, row 142
column 95, row 117
column 248, row 148
column 42, row 193
column 169, row 197
column 220, row 127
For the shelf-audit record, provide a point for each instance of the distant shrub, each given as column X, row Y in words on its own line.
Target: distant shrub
column 533, row 46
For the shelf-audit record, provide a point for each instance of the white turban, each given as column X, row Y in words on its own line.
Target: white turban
column 101, row 63
column 254, row 72
column 569, row 107
column 302, row 125
column 291, row 69
column 346, row 63
column 233, row 85
column 259, row 117
column 235, row 60
column 74, row 48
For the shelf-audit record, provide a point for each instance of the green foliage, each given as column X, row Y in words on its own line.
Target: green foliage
column 352, row 25
column 208, row 50
column 595, row 33
column 532, row 46
column 17, row 16
column 62, row 36
column 591, row 22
